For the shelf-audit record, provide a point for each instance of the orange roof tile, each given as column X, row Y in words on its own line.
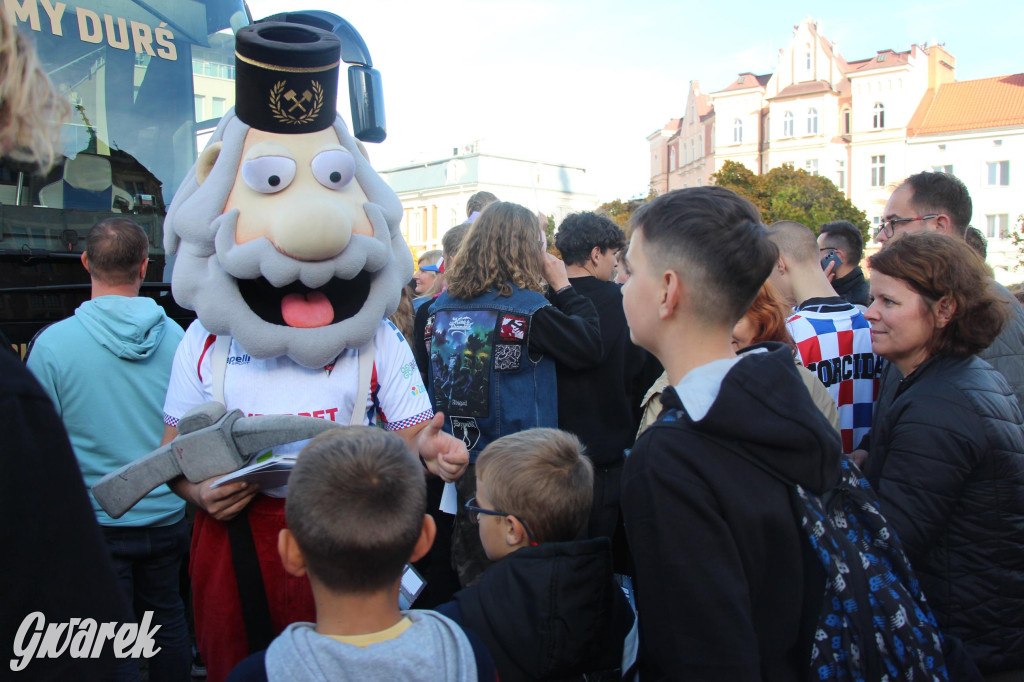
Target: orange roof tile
column 970, row 105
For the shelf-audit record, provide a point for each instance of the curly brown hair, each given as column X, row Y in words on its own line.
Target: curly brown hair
column 938, row 267
column 502, row 248
column 31, row 110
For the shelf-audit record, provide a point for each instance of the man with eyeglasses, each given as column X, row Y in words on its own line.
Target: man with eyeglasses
column 940, row 202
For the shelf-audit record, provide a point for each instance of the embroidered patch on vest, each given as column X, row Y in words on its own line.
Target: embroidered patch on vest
column 460, row 361
column 466, row 430
column 513, row 328
column 428, row 333
column 508, row 356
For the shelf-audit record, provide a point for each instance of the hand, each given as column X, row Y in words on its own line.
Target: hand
column 224, row 502
column 447, row 453
column 554, row 272
column 859, row 457
column 830, row 272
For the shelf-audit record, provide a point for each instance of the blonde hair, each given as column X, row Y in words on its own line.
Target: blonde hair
column 502, row 248
column 31, row 110
column 541, row 477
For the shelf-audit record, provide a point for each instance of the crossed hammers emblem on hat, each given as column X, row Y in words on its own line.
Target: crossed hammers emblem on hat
column 296, row 102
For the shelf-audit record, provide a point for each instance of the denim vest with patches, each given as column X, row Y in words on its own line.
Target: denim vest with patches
column 481, row 374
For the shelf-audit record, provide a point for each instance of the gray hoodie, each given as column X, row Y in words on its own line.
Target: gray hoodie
column 433, row 648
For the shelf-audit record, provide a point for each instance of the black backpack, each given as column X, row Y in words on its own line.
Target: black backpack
column 874, row 625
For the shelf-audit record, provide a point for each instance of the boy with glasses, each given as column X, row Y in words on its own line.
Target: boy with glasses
column 549, row 608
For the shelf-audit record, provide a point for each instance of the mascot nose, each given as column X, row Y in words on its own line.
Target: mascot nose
column 319, row 230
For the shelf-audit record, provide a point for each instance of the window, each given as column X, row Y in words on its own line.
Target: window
column 672, row 165
column 812, row 121
column 841, row 181
column 846, row 122
column 811, row 166
column 700, row 146
column 737, row 131
column 787, row 124
column 878, row 120
column 948, row 170
column 998, row 173
column 199, row 108
column 218, row 107
column 807, row 57
column 878, row 171
column 997, row 226
column 453, row 218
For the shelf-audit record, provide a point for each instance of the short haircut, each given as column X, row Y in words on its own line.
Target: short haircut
column 541, row 477
column 479, row 201
column 356, row 501
column 938, row 266
column 115, row 248
column 451, row 241
column 715, row 241
column 841, row 234
column 936, row 192
column 976, row 240
column 579, row 233
column 431, row 257
column 768, row 315
column 502, row 248
column 796, row 243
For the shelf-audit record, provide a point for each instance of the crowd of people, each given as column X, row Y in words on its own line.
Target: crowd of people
column 659, row 472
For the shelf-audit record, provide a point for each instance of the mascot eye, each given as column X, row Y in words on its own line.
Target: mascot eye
column 268, row 174
column 333, row 168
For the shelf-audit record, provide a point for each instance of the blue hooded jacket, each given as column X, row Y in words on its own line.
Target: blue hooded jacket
column 106, row 370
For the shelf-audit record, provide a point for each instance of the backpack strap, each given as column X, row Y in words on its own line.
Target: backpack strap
column 219, row 366
column 366, row 354
column 259, row 628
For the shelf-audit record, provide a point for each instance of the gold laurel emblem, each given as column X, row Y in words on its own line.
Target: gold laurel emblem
column 298, row 107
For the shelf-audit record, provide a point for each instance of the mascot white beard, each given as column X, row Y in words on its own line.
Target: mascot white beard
column 226, row 282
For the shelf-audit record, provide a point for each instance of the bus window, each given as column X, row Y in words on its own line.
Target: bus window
column 135, row 75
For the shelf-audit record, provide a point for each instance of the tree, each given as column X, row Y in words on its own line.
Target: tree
column 1017, row 237
column 619, row 211
column 786, row 193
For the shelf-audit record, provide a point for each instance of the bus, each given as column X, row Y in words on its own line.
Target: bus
column 147, row 83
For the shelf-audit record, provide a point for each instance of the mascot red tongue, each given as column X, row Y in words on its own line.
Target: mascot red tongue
column 288, row 249
column 307, row 311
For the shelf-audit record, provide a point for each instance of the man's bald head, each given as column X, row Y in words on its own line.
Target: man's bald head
column 797, row 244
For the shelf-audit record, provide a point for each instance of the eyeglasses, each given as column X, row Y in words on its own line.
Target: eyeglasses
column 474, row 513
column 888, row 227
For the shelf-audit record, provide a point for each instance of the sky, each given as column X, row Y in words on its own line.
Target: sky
column 584, row 82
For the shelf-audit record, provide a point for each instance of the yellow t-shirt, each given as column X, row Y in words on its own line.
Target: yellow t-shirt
column 374, row 637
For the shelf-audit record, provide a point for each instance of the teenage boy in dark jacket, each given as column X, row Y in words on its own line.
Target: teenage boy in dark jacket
column 726, row 589
column 549, row 608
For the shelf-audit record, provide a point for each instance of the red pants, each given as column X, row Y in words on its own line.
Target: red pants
column 220, row 631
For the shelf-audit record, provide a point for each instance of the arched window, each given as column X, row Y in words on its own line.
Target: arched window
column 878, row 121
column 672, row 158
column 787, row 124
column 700, row 146
column 812, row 121
column 737, row 131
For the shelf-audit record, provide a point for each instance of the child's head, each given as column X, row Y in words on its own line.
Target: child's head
column 705, row 247
column 539, row 478
column 356, row 509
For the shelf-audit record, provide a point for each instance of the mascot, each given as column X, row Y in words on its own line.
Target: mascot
column 289, row 251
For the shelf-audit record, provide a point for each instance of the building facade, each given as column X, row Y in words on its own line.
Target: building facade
column 434, row 194
column 865, row 125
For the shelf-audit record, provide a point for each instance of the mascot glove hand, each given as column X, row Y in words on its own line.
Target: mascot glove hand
column 447, row 453
column 224, row 502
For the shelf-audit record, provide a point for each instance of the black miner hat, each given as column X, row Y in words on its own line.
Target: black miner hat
column 286, row 77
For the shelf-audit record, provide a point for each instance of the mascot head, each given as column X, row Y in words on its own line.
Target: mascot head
column 286, row 238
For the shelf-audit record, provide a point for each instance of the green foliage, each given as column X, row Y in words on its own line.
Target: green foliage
column 619, row 211
column 1017, row 237
column 786, row 193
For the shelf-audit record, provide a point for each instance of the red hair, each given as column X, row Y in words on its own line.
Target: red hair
column 768, row 315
